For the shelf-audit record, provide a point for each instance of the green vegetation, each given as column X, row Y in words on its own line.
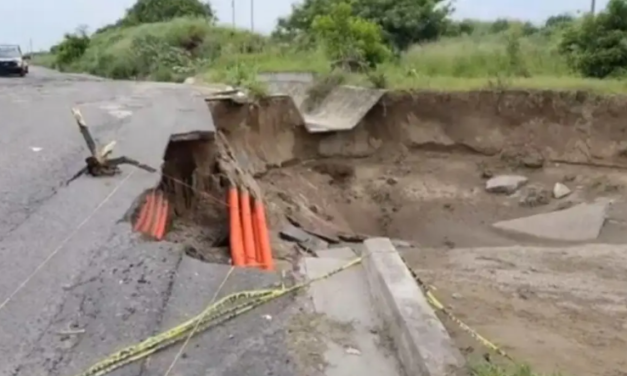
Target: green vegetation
column 382, row 43
column 489, row 369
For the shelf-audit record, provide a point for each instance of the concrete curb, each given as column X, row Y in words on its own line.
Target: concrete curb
column 424, row 346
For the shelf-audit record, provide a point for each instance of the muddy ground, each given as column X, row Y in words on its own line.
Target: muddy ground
column 415, row 169
column 558, row 307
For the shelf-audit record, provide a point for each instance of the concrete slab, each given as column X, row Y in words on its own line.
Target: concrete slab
column 578, row 223
column 302, row 237
column 344, row 298
column 506, row 184
column 424, row 347
column 342, row 109
column 193, row 121
column 297, row 90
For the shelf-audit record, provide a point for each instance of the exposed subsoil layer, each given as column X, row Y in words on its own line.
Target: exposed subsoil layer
column 192, row 180
column 415, row 169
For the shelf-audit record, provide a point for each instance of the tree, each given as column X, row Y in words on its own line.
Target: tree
column 500, row 25
column 71, row 48
column 300, row 19
column 348, row 38
column 595, row 46
column 403, row 22
column 559, row 21
column 149, row 11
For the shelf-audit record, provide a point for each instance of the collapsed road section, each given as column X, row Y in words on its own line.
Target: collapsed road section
column 118, row 288
column 273, row 188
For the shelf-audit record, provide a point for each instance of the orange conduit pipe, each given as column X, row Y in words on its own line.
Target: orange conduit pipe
column 247, row 229
column 141, row 225
column 266, row 261
column 235, row 229
column 256, row 233
column 161, row 219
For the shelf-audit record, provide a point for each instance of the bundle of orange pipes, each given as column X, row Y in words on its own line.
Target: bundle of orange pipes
column 153, row 215
column 249, row 239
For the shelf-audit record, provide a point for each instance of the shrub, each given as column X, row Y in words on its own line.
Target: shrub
column 71, row 49
column 347, row 38
column 595, row 46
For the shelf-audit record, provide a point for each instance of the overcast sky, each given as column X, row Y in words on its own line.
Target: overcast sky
column 44, row 21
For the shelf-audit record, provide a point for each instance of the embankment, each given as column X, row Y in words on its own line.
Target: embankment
column 523, row 127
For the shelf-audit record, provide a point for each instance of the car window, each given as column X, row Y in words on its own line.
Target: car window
column 9, row 52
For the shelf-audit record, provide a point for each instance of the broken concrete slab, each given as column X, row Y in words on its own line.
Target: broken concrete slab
column 193, row 120
column 342, row 109
column 424, row 346
column 578, row 223
column 355, row 346
column 303, row 238
column 506, row 184
column 560, row 190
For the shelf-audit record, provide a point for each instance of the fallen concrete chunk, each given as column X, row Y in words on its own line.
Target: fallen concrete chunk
column 578, row 223
column 293, row 233
column 423, row 344
column 302, row 237
column 560, row 190
column 506, row 184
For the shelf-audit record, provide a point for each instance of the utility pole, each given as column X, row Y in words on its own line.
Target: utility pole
column 30, row 45
column 233, row 12
column 593, row 4
column 252, row 15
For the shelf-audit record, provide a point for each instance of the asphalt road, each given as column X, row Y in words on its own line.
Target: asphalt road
column 75, row 283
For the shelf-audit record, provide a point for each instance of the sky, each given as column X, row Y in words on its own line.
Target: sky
column 42, row 23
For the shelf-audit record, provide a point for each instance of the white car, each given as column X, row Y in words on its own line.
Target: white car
column 12, row 61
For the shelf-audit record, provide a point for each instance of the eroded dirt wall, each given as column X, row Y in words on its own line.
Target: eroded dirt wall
column 520, row 125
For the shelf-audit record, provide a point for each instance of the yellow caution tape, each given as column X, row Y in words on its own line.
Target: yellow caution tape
column 223, row 310
column 438, row 306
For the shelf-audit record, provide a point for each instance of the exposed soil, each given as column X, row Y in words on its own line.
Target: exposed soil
column 415, row 169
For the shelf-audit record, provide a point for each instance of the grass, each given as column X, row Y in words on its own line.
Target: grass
column 489, row 369
column 172, row 51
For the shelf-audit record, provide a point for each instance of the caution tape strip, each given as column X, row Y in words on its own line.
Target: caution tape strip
column 239, row 303
column 438, row 306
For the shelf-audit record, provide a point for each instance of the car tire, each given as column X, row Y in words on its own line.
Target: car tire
column 22, row 73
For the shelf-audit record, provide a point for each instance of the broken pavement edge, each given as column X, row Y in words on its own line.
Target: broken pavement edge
column 423, row 345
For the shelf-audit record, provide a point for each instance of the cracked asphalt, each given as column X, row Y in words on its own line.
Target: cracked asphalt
column 75, row 283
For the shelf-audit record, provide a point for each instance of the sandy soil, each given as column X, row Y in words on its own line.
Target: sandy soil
column 559, row 308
